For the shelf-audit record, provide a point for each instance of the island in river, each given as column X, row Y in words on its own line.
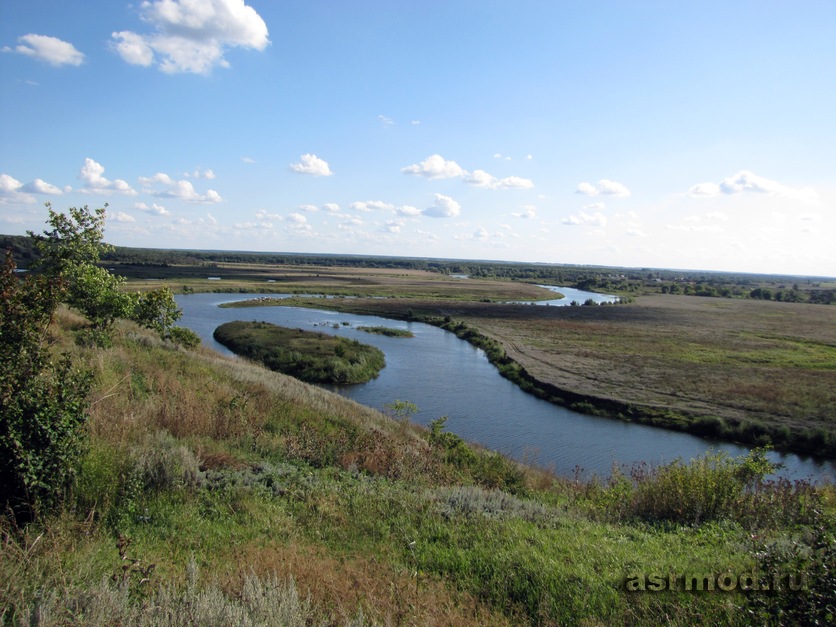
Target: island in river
column 306, row 355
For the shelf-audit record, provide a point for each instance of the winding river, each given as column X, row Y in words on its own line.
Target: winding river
column 446, row 376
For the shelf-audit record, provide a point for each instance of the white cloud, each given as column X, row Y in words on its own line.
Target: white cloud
column 311, row 164
column 587, row 189
column 746, row 181
column 529, row 211
column 154, row 209
column 634, row 232
column 297, row 218
column 191, row 35
column 120, row 216
column 386, row 121
column 159, row 177
column 391, row 226
column 480, row 178
column 200, row 174
column 248, row 160
column 435, row 167
column 586, row 219
column 91, row 175
column 371, row 205
column 180, row 190
column 331, row 206
column 10, row 191
column 408, row 210
column 309, row 208
column 39, row 186
column 443, row 207
column 48, row 49
column 604, row 187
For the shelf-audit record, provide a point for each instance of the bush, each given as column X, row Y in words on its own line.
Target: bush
column 43, row 400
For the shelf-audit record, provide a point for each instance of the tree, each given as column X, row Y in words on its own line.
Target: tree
column 70, row 252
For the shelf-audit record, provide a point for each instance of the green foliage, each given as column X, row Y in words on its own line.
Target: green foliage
column 43, row 400
column 402, row 410
column 312, row 357
column 69, row 255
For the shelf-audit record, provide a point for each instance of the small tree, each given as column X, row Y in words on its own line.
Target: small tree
column 70, row 253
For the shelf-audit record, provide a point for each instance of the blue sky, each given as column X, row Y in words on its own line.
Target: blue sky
column 697, row 135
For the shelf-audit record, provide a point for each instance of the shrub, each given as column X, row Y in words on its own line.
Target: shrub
column 43, row 400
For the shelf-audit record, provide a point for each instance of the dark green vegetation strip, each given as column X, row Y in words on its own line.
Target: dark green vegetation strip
column 306, row 355
column 387, row 331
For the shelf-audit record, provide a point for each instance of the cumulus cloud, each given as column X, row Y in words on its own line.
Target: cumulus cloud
column 443, row 207
column 179, row 190
column 39, row 186
column 408, row 210
column 47, row 49
column 297, row 218
column 120, row 216
column 200, row 174
column 191, row 35
column 154, row 209
column 746, row 181
column 586, row 219
column 94, row 182
column 331, row 206
column 605, row 187
column 311, row 164
column 392, row 226
column 437, row 167
column 371, row 205
column 529, row 211
column 10, row 190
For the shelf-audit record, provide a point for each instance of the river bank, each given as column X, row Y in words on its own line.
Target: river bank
column 740, row 371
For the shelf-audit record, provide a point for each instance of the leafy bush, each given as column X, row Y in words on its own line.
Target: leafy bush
column 43, row 400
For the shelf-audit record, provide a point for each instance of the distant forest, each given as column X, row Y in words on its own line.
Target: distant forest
column 622, row 281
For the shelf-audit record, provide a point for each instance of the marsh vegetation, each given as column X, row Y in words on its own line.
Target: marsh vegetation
column 306, row 355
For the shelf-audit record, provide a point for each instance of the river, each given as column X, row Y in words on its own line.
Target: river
column 446, row 376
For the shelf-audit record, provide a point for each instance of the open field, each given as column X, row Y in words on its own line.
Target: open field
column 749, row 370
column 259, row 278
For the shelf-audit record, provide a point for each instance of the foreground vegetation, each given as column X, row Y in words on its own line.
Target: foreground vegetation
column 306, row 355
column 191, row 488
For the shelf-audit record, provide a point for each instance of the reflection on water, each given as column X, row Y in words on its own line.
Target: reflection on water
column 446, row 376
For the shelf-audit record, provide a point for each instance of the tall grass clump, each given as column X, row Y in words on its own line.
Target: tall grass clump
column 258, row 601
column 710, row 488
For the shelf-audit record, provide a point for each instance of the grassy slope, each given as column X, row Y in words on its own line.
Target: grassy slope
column 198, row 459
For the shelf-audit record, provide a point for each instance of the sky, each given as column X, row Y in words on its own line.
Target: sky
column 638, row 133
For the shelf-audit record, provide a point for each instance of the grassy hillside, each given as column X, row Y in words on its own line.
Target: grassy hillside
column 218, row 491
